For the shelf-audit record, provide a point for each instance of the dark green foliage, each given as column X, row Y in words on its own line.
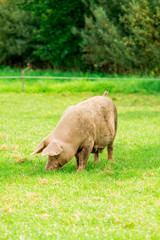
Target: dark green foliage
column 41, row 32
column 115, row 36
column 123, row 36
column 56, row 42
column 16, row 30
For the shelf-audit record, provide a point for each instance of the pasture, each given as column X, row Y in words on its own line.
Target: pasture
column 117, row 199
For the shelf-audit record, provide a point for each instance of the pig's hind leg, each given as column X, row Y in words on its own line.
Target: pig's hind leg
column 96, row 157
column 110, row 151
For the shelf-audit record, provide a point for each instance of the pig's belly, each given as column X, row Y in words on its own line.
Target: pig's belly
column 102, row 142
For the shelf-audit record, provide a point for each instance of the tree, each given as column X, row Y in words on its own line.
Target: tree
column 16, row 31
column 124, row 36
column 55, row 41
column 141, row 21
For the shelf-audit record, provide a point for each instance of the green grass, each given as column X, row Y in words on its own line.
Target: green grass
column 117, row 199
column 122, row 84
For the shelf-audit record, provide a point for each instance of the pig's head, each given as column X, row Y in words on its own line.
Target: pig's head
column 56, row 154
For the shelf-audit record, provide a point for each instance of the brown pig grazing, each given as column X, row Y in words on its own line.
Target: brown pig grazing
column 85, row 128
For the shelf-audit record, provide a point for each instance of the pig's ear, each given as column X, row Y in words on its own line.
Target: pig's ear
column 40, row 148
column 53, row 149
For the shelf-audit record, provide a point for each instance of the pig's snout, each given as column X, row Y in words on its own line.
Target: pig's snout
column 55, row 167
column 49, row 168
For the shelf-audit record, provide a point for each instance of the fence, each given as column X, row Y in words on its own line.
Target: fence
column 79, row 78
column 23, row 77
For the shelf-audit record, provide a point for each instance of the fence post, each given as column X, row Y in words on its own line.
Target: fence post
column 27, row 68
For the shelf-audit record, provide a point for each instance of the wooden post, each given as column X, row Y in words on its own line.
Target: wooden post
column 22, row 80
column 27, row 68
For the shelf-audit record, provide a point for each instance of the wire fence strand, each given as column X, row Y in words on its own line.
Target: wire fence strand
column 76, row 78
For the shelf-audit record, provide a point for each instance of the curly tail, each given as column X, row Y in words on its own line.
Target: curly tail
column 105, row 93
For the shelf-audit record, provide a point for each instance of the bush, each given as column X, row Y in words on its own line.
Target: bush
column 16, row 30
column 56, row 43
column 123, row 36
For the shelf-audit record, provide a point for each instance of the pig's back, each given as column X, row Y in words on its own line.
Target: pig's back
column 94, row 117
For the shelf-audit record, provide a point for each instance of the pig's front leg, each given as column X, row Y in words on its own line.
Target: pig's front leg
column 96, row 158
column 77, row 159
column 83, row 156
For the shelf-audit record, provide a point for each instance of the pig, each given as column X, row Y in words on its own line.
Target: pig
column 85, row 128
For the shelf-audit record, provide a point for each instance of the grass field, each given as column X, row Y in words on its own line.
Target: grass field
column 119, row 199
column 120, row 84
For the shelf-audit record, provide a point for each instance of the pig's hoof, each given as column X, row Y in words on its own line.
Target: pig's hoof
column 80, row 169
column 96, row 161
